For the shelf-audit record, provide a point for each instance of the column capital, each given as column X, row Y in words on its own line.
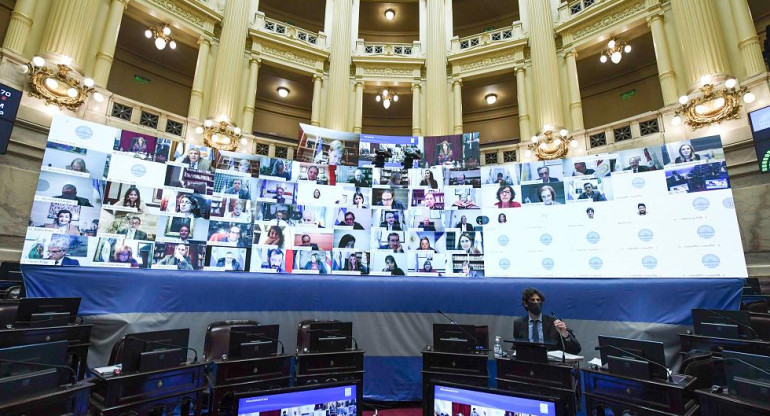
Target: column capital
column 319, row 77
column 570, row 52
column 254, row 58
column 519, row 68
column 359, row 83
column 203, row 39
column 125, row 2
column 458, row 82
column 653, row 17
column 416, row 86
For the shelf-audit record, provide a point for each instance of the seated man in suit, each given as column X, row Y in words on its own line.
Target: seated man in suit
column 306, row 242
column 57, row 251
column 228, row 262
column 426, row 225
column 390, row 222
column 133, row 232
column 538, row 327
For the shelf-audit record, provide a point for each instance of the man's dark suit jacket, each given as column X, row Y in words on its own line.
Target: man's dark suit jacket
column 138, row 235
column 550, row 334
column 396, row 226
column 467, row 227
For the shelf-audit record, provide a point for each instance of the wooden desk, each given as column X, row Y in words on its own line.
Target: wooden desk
column 647, row 397
column 544, row 379
column 226, row 378
column 692, row 342
column 326, row 367
column 143, row 393
column 78, row 339
column 714, row 404
column 67, row 401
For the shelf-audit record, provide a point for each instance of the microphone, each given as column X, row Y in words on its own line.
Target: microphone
column 668, row 373
column 561, row 339
column 475, row 340
column 149, row 341
column 261, row 336
column 68, row 368
column 325, row 331
column 727, row 318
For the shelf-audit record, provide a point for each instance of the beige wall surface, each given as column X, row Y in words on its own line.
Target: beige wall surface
column 387, row 127
column 603, row 104
column 277, row 124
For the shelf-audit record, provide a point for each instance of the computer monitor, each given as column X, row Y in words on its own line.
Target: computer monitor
column 448, row 398
column 460, row 338
column 18, row 379
column 157, row 350
column 751, row 286
column 747, row 375
column 324, row 336
column 723, row 323
column 345, row 398
column 536, row 352
column 634, row 357
column 46, row 312
column 252, row 341
column 759, row 120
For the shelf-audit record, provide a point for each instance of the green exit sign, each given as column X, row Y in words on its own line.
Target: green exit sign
column 628, row 94
column 141, row 80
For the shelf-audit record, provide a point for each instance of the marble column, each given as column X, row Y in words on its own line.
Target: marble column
column 106, row 50
column 748, row 41
column 196, row 96
column 545, row 69
column 416, row 117
column 358, row 118
column 229, row 61
column 337, row 103
column 521, row 97
column 19, row 26
column 457, row 95
column 251, row 93
column 663, row 59
column 315, row 111
column 575, row 102
column 701, row 41
column 68, row 30
column 435, row 65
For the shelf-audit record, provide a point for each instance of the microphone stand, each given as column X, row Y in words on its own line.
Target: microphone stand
column 727, row 318
column 561, row 339
column 668, row 374
column 452, row 321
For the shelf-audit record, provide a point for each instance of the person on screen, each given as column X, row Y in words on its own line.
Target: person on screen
column 354, row 265
column 63, row 223
column 445, row 153
column 686, row 154
column 634, row 166
column 233, row 236
column 125, row 254
column 237, row 189
column 463, row 224
column 641, row 208
column 184, row 233
column 138, row 145
column 582, row 169
column 502, row 219
column 305, row 242
column 394, row 243
column 428, row 180
column 77, row 165
column 547, row 195
column 390, row 222
column 467, row 245
column 336, row 152
column 347, row 241
column 380, row 155
column 358, row 200
column 57, row 251
column 350, row 221
column 500, row 180
column 467, row 271
column 589, row 192
column 392, row 267
column 279, row 170
column 280, row 218
column 194, row 161
column 308, row 218
column 279, row 198
column 274, row 236
column 317, row 194
column 180, row 258
column 187, row 206
column 460, row 179
column 429, row 201
column 387, row 200
column 540, row 327
column 544, row 173
column 133, row 232
column 426, row 225
column 315, row 263
column 590, row 213
column 464, row 202
column 36, row 252
column 359, row 180
column 228, row 262
column 505, row 196
column 425, row 245
column 133, row 199
column 70, row 192
column 312, row 173
column 395, row 179
column 275, row 260
column 427, row 267
column 238, row 212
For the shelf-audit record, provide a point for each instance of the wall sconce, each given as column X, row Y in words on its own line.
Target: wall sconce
column 712, row 103
column 550, row 144
column 162, row 35
column 221, row 135
column 50, row 82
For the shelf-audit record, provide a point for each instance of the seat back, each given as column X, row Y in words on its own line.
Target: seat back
column 116, row 355
column 761, row 323
column 706, row 368
column 217, row 341
column 759, row 306
column 8, row 312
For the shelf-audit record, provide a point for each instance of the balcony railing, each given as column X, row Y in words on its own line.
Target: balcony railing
column 505, row 34
column 642, row 125
column 410, row 50
column 265, row 24
column 569, row 10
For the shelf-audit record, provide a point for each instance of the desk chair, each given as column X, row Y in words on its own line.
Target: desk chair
column 761, row 323
column 217, row 341
column 8, row 312
column 707, row 368
column 760, row 306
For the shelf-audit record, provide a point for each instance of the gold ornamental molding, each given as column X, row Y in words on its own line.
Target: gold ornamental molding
column 601, row 18
column 712, row 105
column 551, row 144
column 54, row 85
column 284, row 52
column 479, row 64
column 384, row 71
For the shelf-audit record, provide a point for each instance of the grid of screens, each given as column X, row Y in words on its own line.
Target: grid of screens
column 448, row 401
column 341, row 400
column 109, row 197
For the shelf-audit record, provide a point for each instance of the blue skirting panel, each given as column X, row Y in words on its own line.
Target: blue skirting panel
column 392, row 315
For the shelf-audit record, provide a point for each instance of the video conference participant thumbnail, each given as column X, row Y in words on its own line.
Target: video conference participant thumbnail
column 227, row 258
column 75, row 161
column 83, row 191
column 268, row 260
column 312, row 262
column 179, row 256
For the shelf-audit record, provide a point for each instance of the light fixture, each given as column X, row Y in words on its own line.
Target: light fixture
column 550, row 143
column 283, row 92
column 491, row 98
column 386, row 97
column 614, row 51
column 715, row 101
column 390, row 14
column 50, row 82
column 221, row 134
column 162, row 35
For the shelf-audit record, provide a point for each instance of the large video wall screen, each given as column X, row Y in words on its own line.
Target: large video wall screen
column 115, row 198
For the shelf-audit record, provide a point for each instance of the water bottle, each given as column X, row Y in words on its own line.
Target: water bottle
column 498, row 349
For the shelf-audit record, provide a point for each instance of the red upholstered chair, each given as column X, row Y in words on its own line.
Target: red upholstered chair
column 217, row 341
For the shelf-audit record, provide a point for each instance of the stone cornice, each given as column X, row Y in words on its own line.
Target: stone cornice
column 192, row 12
column 288, row 52
column 484, row 60
column 369, row 68
column 603, row 16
